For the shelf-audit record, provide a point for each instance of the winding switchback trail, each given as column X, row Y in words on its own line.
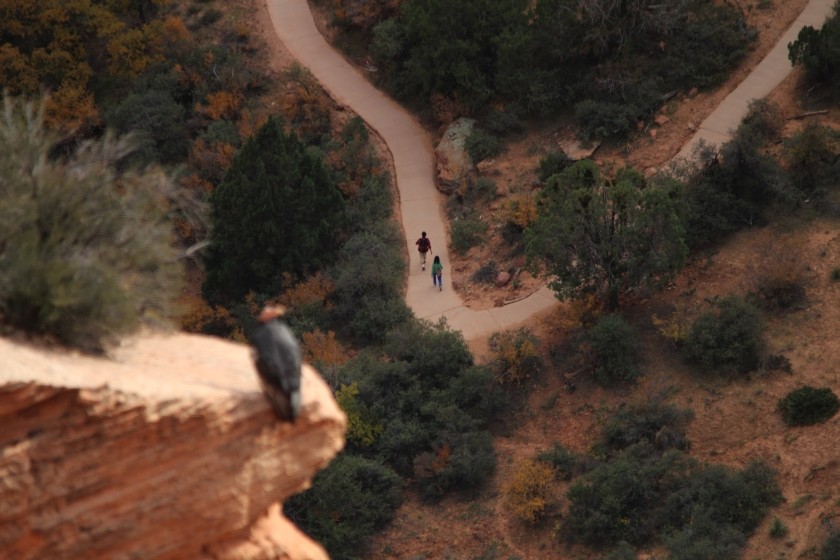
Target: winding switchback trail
column 411, row 148
column 773, row 68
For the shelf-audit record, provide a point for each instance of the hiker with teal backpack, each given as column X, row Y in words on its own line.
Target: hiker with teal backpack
column 437, row 273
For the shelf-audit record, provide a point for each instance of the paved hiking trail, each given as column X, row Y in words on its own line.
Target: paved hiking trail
column 411, row 148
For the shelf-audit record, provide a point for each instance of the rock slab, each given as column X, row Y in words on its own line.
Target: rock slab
column 165, row 450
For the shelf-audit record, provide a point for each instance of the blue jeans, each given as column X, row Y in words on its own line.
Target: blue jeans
column 437, row 280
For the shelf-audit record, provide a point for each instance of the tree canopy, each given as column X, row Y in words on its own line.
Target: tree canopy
column 276, row 212
column 600, row 236
column 819, row 50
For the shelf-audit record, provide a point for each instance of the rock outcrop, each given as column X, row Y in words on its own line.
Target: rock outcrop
column 165, row 450
column 453, row 162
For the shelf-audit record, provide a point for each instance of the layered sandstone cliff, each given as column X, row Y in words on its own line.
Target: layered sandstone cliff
column 167, row 449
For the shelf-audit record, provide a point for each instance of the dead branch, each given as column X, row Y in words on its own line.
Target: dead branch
column 808, row 114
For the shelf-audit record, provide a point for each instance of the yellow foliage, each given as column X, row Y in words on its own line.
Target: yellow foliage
column 528, row 490
column 360, row 430
column 583, row 312
column 675, row 327
column 515, row 355
column 521, row 209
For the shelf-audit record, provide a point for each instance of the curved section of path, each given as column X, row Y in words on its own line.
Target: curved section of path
column 769, row 73
column 411, row 149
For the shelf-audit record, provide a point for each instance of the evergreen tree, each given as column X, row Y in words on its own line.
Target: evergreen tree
column 602, row 236
column 276, row 211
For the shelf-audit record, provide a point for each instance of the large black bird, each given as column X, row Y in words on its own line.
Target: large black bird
column 277, row 357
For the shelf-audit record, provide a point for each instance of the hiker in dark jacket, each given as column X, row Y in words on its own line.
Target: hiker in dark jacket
column 423, row 246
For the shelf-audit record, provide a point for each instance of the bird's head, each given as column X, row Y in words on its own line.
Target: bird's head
column 271, row 312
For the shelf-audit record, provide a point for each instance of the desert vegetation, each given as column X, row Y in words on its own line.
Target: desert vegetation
column 156, row 124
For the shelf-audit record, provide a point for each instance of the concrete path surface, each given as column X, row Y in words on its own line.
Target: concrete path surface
column 773, row 68
column 411, row 148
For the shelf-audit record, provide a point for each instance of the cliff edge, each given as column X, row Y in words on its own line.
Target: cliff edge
column 167, row 449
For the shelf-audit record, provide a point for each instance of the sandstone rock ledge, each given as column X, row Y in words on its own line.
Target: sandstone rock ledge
column 166, row 450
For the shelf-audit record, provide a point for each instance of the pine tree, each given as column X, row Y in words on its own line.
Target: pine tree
column 276, row 211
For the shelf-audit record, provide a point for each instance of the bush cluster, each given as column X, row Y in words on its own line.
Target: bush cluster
column 728, row 339
column 566, row 465
column 467, row 233
column 482, row 145
column 514, row 355
column 433, row 404
column 701, row 511
column 831, row 548
column 808, row 405
column 653, row 422
column 349, row 500
column 615, row 351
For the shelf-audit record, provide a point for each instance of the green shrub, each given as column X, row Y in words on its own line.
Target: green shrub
column 368, row 277
column 654, row 422
column 763, row 122
column 482, row 145
column 811, row 156
column 433, row 404
column 502, row 122
column 597, row 119
column 349, row 500
column 736, row 498
column 702, row 511
column 807, row 406
column 835, row 274
column 553, row 163
column 467, row 233
column 778, row 529
column 565, row 463
column 86, row 251
column 703, row 539
column 486, row 273
column 727, row 339
column 818, row 51
column 615, row 349
column 484, row 189
column 617, row 500
column 734, row 184
column 623, row 551
column 831, row 548
column 469, row 463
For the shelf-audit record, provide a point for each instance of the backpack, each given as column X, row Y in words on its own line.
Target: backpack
column 423, row 244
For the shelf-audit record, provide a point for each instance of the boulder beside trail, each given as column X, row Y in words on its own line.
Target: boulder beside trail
column 453, row 162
